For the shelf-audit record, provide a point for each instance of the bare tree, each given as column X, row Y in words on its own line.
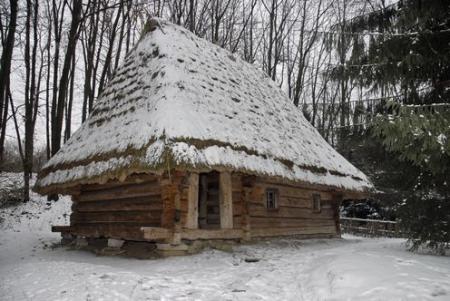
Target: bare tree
column 308, row 31
column 5, row 69
column 282, row 19
column 283, row 37
column 58, row 110
column 112, row 30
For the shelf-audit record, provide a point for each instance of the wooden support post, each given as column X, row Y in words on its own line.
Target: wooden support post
column 171, row 206
column 246, row 192
column 75, row 199
column 226, row 201
column 192, row 208
column 177, row 219
column 157, row 233
column 202, row 210
column 168, row 204
column 337, row 198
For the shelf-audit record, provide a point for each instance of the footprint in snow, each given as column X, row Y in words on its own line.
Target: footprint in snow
column 439, row 291
column 405, row 262
column 104, row 276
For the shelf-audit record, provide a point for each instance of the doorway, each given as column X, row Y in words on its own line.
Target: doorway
column 209, row 201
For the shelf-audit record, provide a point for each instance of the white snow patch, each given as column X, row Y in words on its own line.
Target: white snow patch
column 166, row 92
column 351, row 268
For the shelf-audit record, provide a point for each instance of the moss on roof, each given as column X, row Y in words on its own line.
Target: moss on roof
column 169, row 107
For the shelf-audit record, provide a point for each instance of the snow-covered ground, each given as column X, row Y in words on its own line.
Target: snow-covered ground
column 352, row 268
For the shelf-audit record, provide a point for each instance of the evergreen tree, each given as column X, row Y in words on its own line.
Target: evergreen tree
column 404, row 50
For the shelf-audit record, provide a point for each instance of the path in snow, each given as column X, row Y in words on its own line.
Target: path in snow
column 352, row 268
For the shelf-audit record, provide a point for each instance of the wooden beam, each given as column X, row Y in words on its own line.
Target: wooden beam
column 203, row 198
column 133, row 179
column 193, row 234
column 60, row 228
column 337, row 219
column 152, row 217
column 355, row 195
column 132, row 204
column 313, row 231
column 156, row 233
column 246, row 192
column 125, row 231
column 192, row 208
column 226, row 201
column 168, row 194
column 121, row 192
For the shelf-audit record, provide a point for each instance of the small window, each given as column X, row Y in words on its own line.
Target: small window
column 316, row 202
column 271, row 198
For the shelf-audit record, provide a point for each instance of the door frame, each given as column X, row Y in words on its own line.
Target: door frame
column 225, row 201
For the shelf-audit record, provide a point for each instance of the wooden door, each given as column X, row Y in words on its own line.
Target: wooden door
column 209, row 202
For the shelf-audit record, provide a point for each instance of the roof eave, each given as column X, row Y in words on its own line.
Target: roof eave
column 73, row 187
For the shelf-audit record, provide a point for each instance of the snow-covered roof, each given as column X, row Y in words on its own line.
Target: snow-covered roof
column 179, row 101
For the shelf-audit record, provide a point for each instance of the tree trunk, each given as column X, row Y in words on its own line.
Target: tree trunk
column 64, row 79
column 191, row 15
column 70, row 103
column 107, row 65
column 5, row 70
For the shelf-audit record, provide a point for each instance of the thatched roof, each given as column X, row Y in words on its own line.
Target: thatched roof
column 179, row 101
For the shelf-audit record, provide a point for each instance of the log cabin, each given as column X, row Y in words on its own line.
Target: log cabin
column 189, row 142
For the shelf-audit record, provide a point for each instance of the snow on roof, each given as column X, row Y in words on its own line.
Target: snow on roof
column 181, row 101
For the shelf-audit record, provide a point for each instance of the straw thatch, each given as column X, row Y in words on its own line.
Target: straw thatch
column 180, row 102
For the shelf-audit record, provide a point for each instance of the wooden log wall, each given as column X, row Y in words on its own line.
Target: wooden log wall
column 294, row 215
column 120, row 209
column 236, row 189
column 117, row 209
column 184, row 202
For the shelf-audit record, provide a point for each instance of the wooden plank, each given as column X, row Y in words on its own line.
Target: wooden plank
column 237, row 196
column 121, row 192
column 237, row 220
column 203, row 197
column 295, row 202
column 143, row 179
column 245, row 220
column 152, row 217
column 327, row 190
column 192, row 202
column 336, row 204
column 257, row 210
column 111, row 230
column 177, row 202
column 238, row 208
column 61, row 228
column 329, row 230
column 170, row 195
column 156, row 233
column 287, row 202
column 355, row 195
column 168, row 204
column 184, row 205
column 226, row 201
column 236, row 183
column 193, row 234
column 294, row 197
column 275, row 222
column 295, row 192
column 134, row 204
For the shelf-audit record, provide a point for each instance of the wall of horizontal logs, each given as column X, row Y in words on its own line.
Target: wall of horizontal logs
column 294, row 214
column 117, row 209
column 120, row 209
